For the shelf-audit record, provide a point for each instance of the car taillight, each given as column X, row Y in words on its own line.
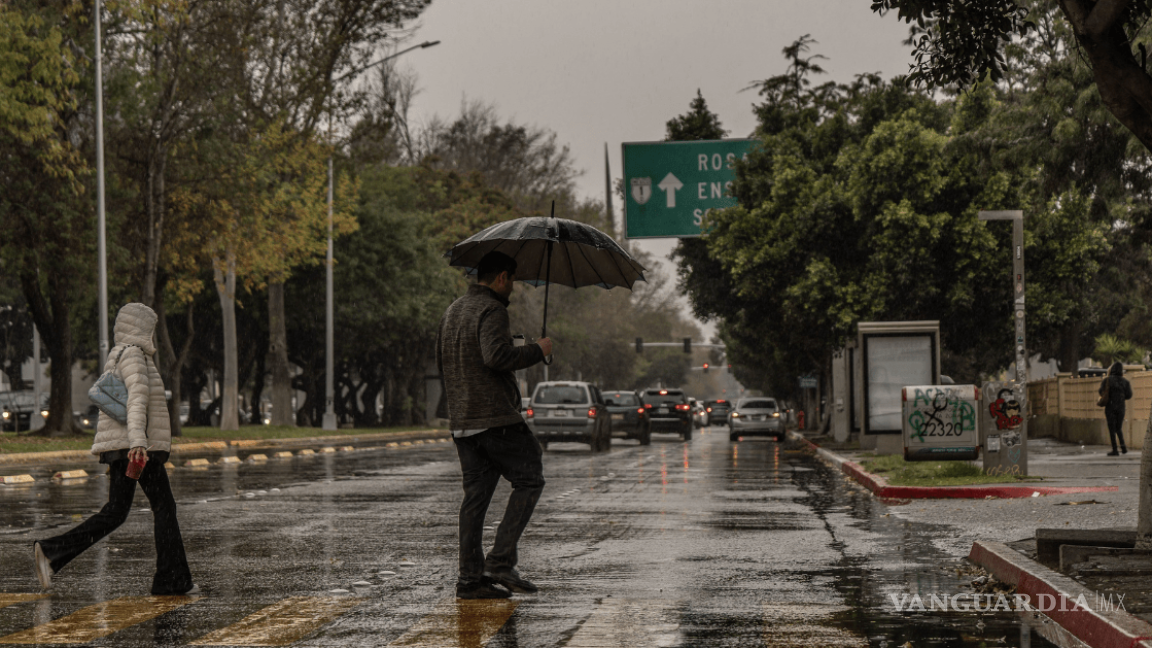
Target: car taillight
column 709, row 409
column 592, row 412
column 683, row 408
column 530, row 413
column 648, row 406
column 640, row 411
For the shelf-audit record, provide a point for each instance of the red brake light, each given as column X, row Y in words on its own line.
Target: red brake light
column 530, row 413
column 640, row 411
column 721, row 401
column 591, row 412
column 647, row 405
column 683, row 408
column 709, row 409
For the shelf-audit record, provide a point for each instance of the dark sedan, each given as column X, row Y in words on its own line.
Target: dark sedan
column 629, row 419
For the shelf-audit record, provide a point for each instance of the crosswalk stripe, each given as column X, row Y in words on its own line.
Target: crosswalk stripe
column 12, row 599
column 803, row 625
column 282, row 623
column 459, row 624
column 100, row 620
column 632, row 623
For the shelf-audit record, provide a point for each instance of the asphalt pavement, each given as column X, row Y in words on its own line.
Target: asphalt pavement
column 699, row 543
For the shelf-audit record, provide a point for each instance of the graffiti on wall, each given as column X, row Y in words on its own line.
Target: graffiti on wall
column 1005, row 411
column 940, row 412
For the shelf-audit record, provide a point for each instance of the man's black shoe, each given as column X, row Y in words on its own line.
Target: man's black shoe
column 1113, row 454
column 482, row 590
column 1123, row 450
column 511, row 579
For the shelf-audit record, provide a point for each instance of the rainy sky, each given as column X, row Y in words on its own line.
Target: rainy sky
column 613, row 71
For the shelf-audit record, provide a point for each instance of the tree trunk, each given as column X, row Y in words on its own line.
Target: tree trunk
column 51, row 318
column 282, row 410
column 173, row 379
column 256, row 416
column 225, row 279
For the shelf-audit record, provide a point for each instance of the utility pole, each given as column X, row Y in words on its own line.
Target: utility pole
column 101, row 251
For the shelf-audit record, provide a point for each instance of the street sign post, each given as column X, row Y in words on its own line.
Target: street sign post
column 668, row 186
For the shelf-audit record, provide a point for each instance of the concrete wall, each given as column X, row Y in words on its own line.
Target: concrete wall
column 1065, row 408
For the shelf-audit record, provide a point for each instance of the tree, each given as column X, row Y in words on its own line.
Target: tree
column 1110, row 348
column 963, row 42
column 698, row 123
column 47, row 228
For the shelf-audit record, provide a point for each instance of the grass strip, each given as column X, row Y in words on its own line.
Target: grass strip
column 11, row 443
column 899, row 472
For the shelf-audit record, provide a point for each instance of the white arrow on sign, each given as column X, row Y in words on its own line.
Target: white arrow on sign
column 671, row 184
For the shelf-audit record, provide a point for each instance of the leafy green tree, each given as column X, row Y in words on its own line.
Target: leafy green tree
column 698, row 123
column 961, row 43
column 1110, row 348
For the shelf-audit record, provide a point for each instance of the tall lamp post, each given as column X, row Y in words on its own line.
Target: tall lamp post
column 329, row 422
column 101, row 252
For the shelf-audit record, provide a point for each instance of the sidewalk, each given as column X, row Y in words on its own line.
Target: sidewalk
column 1101, row 595
column 1066, row 469
column 68, row 464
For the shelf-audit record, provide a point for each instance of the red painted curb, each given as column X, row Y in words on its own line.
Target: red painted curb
column 1099, row 628
column 880, row 488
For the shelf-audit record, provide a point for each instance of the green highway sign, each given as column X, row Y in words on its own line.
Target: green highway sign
column 668, row 186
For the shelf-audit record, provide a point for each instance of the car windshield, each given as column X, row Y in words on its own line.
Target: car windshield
column 718, row 405
column 619, row 399
column 758, row 404
column 656, row 398
column 561, row 395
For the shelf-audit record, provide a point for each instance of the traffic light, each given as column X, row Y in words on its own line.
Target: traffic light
column 687, row 345
column 639, row 345
column 729, row 368
column 705, row 367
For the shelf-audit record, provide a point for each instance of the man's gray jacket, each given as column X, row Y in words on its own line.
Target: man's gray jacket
column 476, row 358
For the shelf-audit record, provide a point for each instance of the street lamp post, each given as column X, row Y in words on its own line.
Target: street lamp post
column 101, row 252
column 329, row 422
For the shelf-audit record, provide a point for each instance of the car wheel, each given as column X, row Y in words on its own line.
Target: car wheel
column 733, row 437
column 646, row 438
column 687, row 434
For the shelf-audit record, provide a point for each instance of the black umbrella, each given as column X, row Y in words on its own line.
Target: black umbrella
column 552, row 250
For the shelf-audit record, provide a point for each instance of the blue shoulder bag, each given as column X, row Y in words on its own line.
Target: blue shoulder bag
column 110, row 394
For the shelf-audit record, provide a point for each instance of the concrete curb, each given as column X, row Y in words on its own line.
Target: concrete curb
column 1096, row 625
column 880, row 488
column 212, row 447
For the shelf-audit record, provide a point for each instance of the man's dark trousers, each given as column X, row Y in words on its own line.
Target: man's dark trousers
column 1115, row 419
column 511, row 452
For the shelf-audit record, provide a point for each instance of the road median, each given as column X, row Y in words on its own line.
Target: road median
column 882, row 489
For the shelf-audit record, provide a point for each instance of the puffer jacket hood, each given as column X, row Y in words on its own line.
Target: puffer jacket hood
column 135, row 324
column 1116, row 370
column 132, row 359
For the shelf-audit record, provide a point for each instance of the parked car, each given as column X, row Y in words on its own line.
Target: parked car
column 17, row 408
column 87, row 419
column 668, row 411
column 717, row 411
column 756, row 416
column 525, row 403
column 628, row 416
column 570, row 411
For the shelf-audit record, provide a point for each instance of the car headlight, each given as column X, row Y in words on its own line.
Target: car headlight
column 44, row 413
column 776, row 415
column 735, row 414
column 7, row 415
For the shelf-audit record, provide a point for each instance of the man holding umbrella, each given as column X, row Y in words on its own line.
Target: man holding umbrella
column 475, row 356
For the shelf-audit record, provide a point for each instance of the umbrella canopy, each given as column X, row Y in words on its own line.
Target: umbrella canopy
column 580, row 254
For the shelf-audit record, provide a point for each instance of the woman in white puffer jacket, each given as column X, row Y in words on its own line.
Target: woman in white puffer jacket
column 148, row 433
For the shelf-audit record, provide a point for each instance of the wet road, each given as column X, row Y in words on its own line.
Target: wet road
column 704, row 543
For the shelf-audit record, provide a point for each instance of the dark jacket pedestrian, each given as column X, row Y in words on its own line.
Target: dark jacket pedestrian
column 476, row 358
column 147, row 434
column 1119, row 390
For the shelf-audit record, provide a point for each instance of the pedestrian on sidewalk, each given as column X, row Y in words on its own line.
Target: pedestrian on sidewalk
column 476, row 358
column 147, row 436
column 1115, row 389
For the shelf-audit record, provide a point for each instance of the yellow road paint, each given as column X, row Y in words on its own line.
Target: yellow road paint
column 229, row 460
column 196, row 462
column 258, row 457
column 459, row 624
column 347, row 448
column 12, row 599
column 306, row 452
column 802, row 625
column 170, row 465
column 393, row 444
column 327, row 450
column 70, row 474
column 284, row 455
column 281, row 624
column 16, row 479
column 632, row 623
column 100, row 620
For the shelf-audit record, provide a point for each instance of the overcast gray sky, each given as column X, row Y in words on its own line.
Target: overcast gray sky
column 613, row 71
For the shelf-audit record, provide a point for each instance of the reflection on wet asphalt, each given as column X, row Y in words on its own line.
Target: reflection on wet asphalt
column 704, row 543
